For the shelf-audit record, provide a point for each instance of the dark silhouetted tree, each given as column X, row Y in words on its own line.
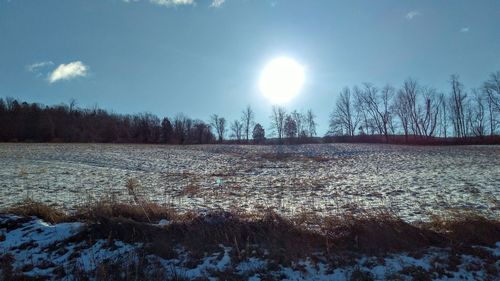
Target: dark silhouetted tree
column 200, row 133
column 258, row 134
column 167, row 131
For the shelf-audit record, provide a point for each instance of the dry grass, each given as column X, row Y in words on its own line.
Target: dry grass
column 29, row 207
column 292, row 157
column 190, row 190
column 280, row 240
column 284, row 239
column 146, row 212
column 378, row 233
column 466, row 227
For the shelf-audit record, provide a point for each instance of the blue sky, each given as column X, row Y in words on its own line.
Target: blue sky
column 203, row 57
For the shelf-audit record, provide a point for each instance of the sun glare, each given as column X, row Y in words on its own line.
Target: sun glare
column 281, row 80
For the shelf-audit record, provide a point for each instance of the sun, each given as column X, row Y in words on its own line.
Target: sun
column 281, row 80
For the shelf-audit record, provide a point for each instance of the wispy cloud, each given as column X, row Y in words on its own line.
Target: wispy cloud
column 411, row 14
column 464, row 29
column 174, row 3
column 217, row 3
column 35, row 67
column 68, row 71
column 171, row 3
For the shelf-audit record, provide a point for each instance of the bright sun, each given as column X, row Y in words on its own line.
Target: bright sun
column 281, row 80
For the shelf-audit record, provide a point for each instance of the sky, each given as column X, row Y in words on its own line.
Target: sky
column 202, row 57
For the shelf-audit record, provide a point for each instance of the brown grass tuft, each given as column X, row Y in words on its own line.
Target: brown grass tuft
column 466, row 227
column 292, row 157
column 29, row 207
column 146, row 212
column 190, row 190
column 378, row 233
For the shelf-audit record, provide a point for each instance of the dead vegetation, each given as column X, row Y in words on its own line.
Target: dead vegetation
column 292, row 157
column 466, row 227
column 147, row 212
column 267, row 235
column 190, row 190
column 378, row 233
column 285, row 238
column 282, row 241
column 29, row 207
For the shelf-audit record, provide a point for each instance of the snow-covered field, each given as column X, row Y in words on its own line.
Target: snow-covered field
column 327, row 178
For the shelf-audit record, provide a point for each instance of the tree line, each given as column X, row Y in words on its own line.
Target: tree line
column 33, row 122
column 22, row 121
column 416, row 110
column 411, row 110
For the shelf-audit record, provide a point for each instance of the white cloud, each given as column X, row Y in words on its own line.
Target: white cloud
column 170, row 3
column 217, row 3
column 68, row 71
column 411, row 14
column 35, row 67
column 464, row 29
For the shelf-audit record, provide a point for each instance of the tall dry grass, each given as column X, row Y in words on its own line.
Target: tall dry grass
column 266, row 234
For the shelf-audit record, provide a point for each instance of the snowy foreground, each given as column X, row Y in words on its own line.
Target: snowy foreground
column 32, row 247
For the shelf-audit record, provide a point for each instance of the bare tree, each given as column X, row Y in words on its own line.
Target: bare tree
column 237, row 130
column 278, row 121
column 219, row 124
column 344, row 119
column 247, row 119
column 492, row 89
column 299, row 119
column 492, row 86
column 72, row 104
column 411, row 91
column 443, row 119
column 476, row 114
column 418, row 109
column 366, row 124
column 375, row 106
column 311, row 123
column 387, row 95
column 400, row 108
column 368, row 101
column 428, row 115
column 290, row 127
column 492, row 111
column 457, row 101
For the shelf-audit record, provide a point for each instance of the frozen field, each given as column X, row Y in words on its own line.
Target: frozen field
column 326, row 178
